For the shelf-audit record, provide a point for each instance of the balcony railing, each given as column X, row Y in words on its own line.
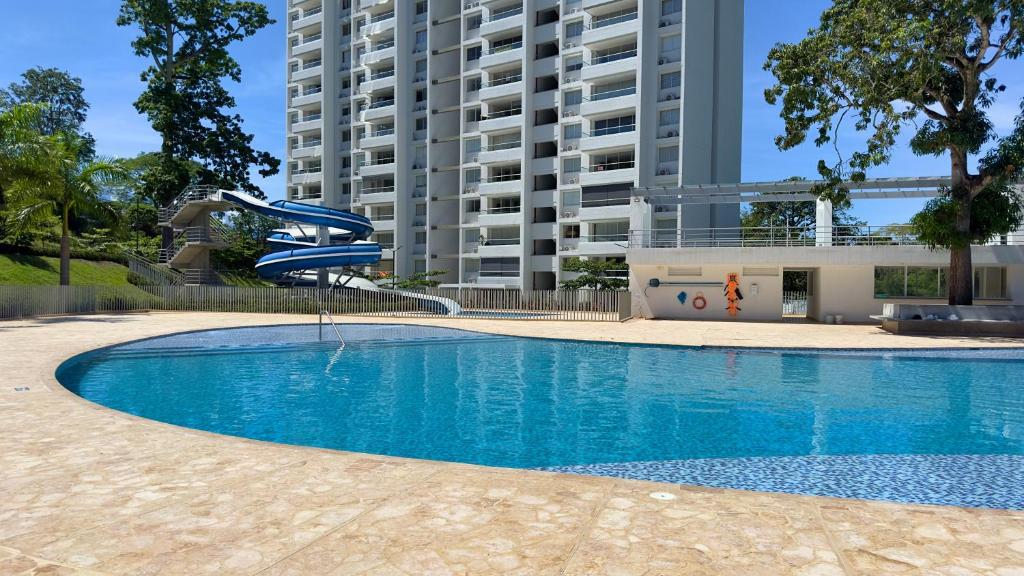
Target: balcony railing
column 610, row 94
column 383, row 46
column 306, row 144
column 378, row 190
column 501, row 81
column 307, row 118
column 382, row 103
column 503, row 14
column 383, row 74
column 382, row 17
column 383, row 132
column 383, row 160
column 603, row 166
column 612, row 130
column 502, row 114
column 605, row 58
column 301, row 171
column 504, row 48
column 310, row 39
column 500, row 242
column 782, row 236
column 502, row 178
column 502, row 146
column 502, row 210
column 613, row 19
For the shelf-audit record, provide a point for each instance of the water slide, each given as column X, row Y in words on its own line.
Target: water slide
column 298, row 252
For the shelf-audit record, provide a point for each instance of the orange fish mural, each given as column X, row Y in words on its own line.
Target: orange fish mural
column 733, row 294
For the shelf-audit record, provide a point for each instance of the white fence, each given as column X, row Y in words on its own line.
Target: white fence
column 794, row 303
column 27, row 301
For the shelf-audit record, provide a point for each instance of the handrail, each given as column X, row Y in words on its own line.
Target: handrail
column 610, row 94
column 613, row 57
column 504, row 48
column 622, row 128
column 618, row 18
column 503, row 14
column 782, row 236
column 620, row 165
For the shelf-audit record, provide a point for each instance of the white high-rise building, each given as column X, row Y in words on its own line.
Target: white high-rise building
column 494, row 139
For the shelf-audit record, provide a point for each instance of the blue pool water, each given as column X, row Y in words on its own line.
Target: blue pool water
column 460, row 396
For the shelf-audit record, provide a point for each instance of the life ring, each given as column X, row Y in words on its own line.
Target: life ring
column 699, row 302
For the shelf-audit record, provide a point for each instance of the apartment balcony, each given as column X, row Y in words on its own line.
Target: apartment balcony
column 307, row 18
column 500, row 217
column 379, row 195
column 503, row 21
column 607, row 210
column 381, row 225
column 377, row 169
column 612, row 101
column 378, row 55
column 502, row 121
column 499, row 248
column 307, row 97
column 502, row 153
column 306, row 176
column 496, row 281
column 501, row 186
column 378, row 111
column 502, row 89
column 618, row 25
column 307, row 70
column 608, row 174
column 617, row 137
column 622, row 65
column 384, row 22
column 310, row 123
column 380, row 81
column 502, row 55
column 382, row 139
column 608, row 245
column 308, row 45
column 304, row 151
column 471, row 219
column 368, row 4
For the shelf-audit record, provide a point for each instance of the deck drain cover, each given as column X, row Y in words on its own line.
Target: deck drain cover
column 662, row 496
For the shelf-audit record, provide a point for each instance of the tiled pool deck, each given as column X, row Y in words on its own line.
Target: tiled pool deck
column 86, row 490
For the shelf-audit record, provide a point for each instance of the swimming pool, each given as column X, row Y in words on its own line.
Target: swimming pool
column 625, row 410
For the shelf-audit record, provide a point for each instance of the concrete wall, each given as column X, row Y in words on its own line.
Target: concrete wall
column 842, row 279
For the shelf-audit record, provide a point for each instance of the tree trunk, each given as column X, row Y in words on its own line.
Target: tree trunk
column 961, row 270
column 65, row 251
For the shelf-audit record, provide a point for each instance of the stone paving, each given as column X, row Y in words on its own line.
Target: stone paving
column 86, row 490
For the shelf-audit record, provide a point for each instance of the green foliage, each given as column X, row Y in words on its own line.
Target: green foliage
column 594, row 274
column 792, row 214
column 922, row 65
column 62, row 99
column 247, row 241
column 187, row 42
column 997, row 210
column 68, row 187
column 419, row 280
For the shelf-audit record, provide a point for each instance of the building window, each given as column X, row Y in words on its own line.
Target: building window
column 573, row 63
column 473, row 53
column 990, row 283
column 571, row 165
column 915, row 281
column 473, row 176
column 574, row 29
column 421, row 7
column 670, row 80
column 572, row 132
column 473, row 84
column 573, row 98
column 671, row 7
column 473, row 22
column 669, row 117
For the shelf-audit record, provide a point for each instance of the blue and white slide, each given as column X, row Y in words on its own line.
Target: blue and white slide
column 299, row 254
column 298, row 250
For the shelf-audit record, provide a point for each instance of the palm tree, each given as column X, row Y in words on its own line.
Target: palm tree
column 23, row 149
column 68, row 187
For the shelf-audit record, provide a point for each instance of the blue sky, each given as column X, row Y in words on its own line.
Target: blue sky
column 86, row 42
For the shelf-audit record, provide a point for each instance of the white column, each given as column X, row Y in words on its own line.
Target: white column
column 822, row 223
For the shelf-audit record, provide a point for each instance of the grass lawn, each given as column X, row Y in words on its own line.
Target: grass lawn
column 22, row 269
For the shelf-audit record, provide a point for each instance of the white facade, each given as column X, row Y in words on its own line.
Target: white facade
column 493, row 139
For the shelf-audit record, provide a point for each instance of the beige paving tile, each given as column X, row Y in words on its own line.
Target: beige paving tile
column 84, row 489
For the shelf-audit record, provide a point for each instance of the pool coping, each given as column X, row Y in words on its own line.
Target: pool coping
column 594, row 561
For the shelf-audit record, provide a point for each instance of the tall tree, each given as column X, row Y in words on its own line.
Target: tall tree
column 187, row 43
column 63, row 102
column 921, row 65
column 69, row 186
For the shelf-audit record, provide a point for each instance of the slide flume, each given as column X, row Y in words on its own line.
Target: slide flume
column 299, row 254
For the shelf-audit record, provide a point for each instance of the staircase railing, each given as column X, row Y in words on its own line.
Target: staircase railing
column 191, row 235
column 190, row 194
column 152, row 272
